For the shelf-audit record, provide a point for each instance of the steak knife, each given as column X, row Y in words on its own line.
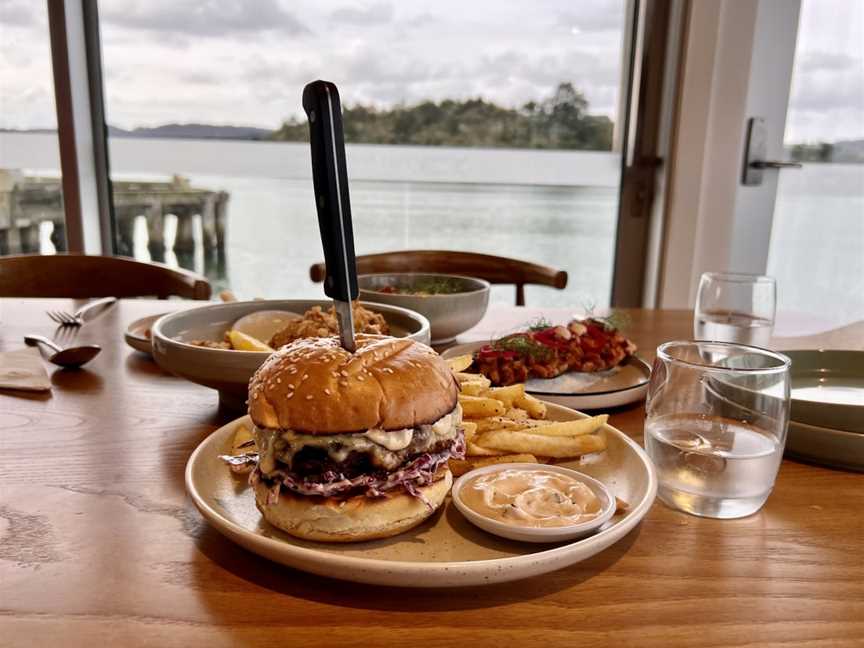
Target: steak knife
column 330, row 178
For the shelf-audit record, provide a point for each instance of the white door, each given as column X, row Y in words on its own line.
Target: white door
column 816, row 248
column 743, row 59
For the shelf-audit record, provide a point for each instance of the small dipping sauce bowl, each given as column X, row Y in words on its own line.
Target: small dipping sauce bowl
column 515, row 531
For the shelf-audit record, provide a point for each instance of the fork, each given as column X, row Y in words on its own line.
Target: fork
column 77, row 318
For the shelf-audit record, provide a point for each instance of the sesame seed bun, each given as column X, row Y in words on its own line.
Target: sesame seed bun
column 355, row 519
column 314, row 386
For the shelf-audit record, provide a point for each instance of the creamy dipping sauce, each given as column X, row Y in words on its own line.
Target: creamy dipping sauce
column 531, row 498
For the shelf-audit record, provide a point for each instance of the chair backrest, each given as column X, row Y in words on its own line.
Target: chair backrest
column 79, row 276
column 494, row 269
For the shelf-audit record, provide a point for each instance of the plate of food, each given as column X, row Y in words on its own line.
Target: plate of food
column 585, row 364
column 373, row 505
column 221, row 345
column 138, row 334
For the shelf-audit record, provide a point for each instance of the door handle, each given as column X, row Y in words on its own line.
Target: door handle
column 773, row 164
column 756, row 151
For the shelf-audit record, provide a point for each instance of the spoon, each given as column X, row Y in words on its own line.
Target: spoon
column 70, row 357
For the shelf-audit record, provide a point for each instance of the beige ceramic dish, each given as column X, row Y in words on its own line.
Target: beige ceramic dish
column 135, row 334
column 229, row 371
column 444, row 551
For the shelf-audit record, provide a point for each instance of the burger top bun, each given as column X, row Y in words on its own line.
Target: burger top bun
column 314, row 386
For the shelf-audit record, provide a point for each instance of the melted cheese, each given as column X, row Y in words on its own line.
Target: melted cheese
column 387, row 448
column 391, row 439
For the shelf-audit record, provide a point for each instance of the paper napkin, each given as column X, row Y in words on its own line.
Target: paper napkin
column 23, row 369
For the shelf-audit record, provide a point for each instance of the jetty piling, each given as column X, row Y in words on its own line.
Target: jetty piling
column 26, row 202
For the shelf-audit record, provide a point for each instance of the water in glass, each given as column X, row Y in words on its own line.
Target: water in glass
column 713, row 466
column 742, row 328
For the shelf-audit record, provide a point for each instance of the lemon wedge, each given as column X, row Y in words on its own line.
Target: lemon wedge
column 242, row 342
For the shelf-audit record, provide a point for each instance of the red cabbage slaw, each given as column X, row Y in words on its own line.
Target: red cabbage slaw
column 419, row 472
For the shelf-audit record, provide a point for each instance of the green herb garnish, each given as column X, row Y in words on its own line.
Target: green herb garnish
column 539, row 324
column 523, row 345
column 615, row 320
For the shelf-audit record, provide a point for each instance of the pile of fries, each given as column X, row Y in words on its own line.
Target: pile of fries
column 508, row 425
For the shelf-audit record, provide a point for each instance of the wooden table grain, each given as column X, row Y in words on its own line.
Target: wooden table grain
column 99, row 544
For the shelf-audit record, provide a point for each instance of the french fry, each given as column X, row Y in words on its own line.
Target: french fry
column 460, row 363
column 516, row 414
column 548, row 446
column 478, row 406
column 508, row 395
column 474, row 450
column 472, row 378
column 497, row 423
column 241, row 437
column 461, row 466
column 535, row 408
column 469, row 428
column 474, row 389
column 570, row 428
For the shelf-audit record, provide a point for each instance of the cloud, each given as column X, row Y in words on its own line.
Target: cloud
column 828, row 61
column 594, row 16
column 19, row 14
column 825, row 93
column 375, row 14
column 206, row 18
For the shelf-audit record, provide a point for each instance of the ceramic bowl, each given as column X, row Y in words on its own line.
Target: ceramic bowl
column 229, row 371
column 531, row 534
column 448, row 314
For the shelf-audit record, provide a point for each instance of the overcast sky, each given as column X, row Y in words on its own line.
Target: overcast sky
column 220, row 62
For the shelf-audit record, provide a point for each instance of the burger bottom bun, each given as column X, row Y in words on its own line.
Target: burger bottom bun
column 353, row 520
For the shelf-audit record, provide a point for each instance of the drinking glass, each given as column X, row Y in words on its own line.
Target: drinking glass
column 735, row 308
column 715, row 425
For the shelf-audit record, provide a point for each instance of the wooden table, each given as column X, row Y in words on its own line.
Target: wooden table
column 99, row 544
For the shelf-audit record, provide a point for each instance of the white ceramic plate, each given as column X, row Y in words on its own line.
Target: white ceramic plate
column 134, row 334
column 625, row 384
column 444, row 551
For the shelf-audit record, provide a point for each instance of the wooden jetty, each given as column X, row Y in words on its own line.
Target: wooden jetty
column 26, row 202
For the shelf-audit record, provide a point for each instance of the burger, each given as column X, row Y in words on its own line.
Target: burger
column 353, row 446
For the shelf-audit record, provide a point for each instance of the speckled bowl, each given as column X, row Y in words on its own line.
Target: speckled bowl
column 448, row 315
column 229, row 372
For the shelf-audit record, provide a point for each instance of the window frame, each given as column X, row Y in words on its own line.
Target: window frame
column 650, row 38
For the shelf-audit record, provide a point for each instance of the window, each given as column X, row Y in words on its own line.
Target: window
column 31, row 201
column 470, row 126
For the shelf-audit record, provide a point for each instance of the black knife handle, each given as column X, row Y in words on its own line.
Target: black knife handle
column 330, row 178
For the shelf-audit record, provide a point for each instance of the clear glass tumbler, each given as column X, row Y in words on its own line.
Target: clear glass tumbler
column 715, row 425
column 735, row 308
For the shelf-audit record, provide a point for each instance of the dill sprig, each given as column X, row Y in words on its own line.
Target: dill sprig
column 616, row 320
column 523, row 345
column 539, row 324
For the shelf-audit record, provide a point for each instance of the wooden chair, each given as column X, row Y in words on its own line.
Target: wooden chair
column 78, row 276
column 494, row 269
